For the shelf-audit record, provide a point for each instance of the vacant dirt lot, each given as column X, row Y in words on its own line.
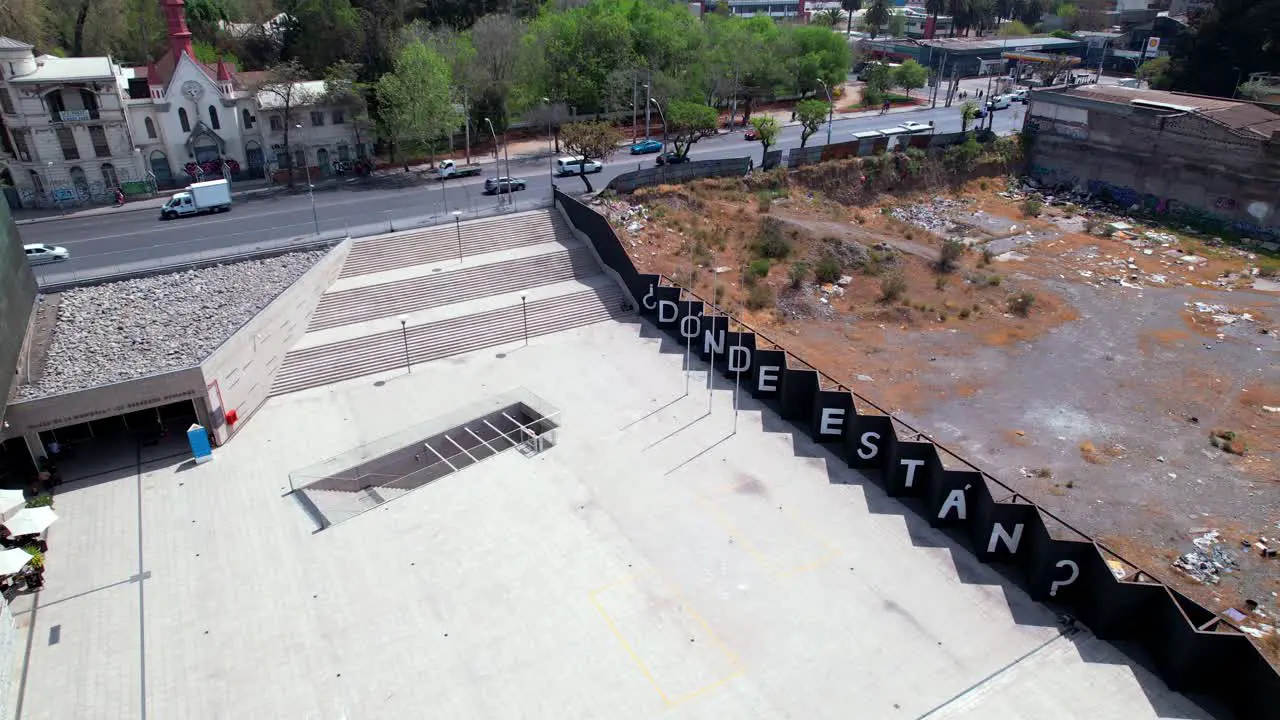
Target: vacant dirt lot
column 1123, row 376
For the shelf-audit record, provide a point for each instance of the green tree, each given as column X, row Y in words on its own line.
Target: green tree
column 878, row 77
column 568, row 55
column 829, row 17
column 282, row 91
column 689, row 122
column 811, row 114
column 968, row 113
column 746, row 50
column 910, row 75
column 205, row 18
column 877, row 16
column 593, row 140
column 850, row 7
column 208, row 54
column 342, row 88
column 415, row 105
column 767, row 131
column 318, row 33
column 814, row 53
column 897, row 25
column 1070, row 15
column 1154, row 71
column 1014, row 28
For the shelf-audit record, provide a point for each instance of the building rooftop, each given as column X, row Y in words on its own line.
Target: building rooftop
column 8, row 43
column 55, row 69
column 998, row 43
column 658, row 562
column 1235, row 114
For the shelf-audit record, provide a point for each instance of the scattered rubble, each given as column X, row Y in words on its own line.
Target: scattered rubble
column 934, row 216
column 1208, row 561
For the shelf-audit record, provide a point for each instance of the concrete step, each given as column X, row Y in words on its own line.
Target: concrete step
column 382, row 351
column 466, row 283
column 442, row 242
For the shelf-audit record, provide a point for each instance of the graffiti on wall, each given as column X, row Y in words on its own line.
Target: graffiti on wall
column 1154, row 205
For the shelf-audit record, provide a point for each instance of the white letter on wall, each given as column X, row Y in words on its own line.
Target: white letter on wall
column 711, row 344
column 911, row 466
column 955, row 499
column 869, row 449
column 663, row 306
column 768, row 378
column 1010, row 541
column 647, row 300
column 1075, row 573
column 689, row 326
column 739, row 358
column 832, row 422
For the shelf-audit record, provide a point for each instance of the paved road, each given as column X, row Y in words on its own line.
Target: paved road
column 120, row 241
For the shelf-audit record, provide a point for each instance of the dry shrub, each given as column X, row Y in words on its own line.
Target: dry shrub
column 1090, row 453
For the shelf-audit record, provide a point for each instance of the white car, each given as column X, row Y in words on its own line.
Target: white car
column 575, row 166
column 917, row 127
column 39, row 254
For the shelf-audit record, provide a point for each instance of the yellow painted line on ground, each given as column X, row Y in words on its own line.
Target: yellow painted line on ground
column 684, row 605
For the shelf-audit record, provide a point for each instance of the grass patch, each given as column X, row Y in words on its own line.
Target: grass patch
column 797, row 273
column 892, row 287
column 1090, row 453
column 1032, row 207
column 771, row 241
column 1020, row 304
column 827, row 270
column 759, row 268
column 760, row 297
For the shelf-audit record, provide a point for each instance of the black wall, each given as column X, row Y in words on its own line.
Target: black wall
column 17, row 297
column 1071, row 573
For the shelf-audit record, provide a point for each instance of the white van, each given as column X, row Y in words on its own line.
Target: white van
column 575, row 166
column 999, row 102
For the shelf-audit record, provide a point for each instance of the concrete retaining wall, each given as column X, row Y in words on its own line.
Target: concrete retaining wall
column 53, row 411
column 238, row 375
column 660, row 174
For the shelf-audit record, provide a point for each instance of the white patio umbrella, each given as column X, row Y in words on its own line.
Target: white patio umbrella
column 30, row 521
column 13, row 560
column 11, row 500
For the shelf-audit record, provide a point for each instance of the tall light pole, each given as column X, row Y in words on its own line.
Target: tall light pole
column 496, row 165
column 457, row 226
column 831, row 106
column 648, row 98
column 404, row 334
column 311, row 190
column 662, row 116
column 524, row 311
column 551, row 154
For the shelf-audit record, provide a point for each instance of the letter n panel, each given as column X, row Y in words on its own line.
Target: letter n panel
column 914, row 463
column 714, row 338
column 767, row 367
column 798, row 389
column 999, row 530
column 832, row 416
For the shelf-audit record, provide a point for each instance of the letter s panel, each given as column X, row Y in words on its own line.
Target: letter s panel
column 869, row 443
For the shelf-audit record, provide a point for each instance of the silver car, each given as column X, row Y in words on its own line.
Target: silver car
column 39, row 254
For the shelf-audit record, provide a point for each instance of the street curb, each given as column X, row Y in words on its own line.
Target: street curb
column 131, row 208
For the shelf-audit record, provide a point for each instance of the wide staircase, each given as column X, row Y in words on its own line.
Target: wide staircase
column 459, row 288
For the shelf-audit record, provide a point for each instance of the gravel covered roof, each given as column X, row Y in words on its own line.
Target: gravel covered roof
column 134, row 328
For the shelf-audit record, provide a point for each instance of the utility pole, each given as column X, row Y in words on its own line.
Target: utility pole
column 466, row 124
column 648, row 101
column 635, row 121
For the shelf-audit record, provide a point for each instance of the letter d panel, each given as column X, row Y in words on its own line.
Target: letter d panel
column 667, row 317
column 738, row 347
column 832, row 416
column 912, row 469
column 766, row 373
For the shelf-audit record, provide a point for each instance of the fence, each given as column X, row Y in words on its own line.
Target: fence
column 1192, row 649
column 660, row 174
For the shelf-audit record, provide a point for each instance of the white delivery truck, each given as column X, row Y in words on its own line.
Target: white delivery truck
column 202, row 197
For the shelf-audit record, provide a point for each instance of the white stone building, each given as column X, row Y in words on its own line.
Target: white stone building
column 77, row 128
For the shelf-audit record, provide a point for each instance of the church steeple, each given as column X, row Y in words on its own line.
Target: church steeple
column 179, row 36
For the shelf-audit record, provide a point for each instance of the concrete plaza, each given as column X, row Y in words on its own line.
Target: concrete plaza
column 652, row 564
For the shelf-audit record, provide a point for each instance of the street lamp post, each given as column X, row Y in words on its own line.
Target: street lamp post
column 457, row 226
column 661, row 116
column 404, row 334
column 831, row 106
column 311, row 191
column 496, row 165
column 524, row 312
column 551, row 155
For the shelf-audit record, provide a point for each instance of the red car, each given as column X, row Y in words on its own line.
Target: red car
column 750, row 134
